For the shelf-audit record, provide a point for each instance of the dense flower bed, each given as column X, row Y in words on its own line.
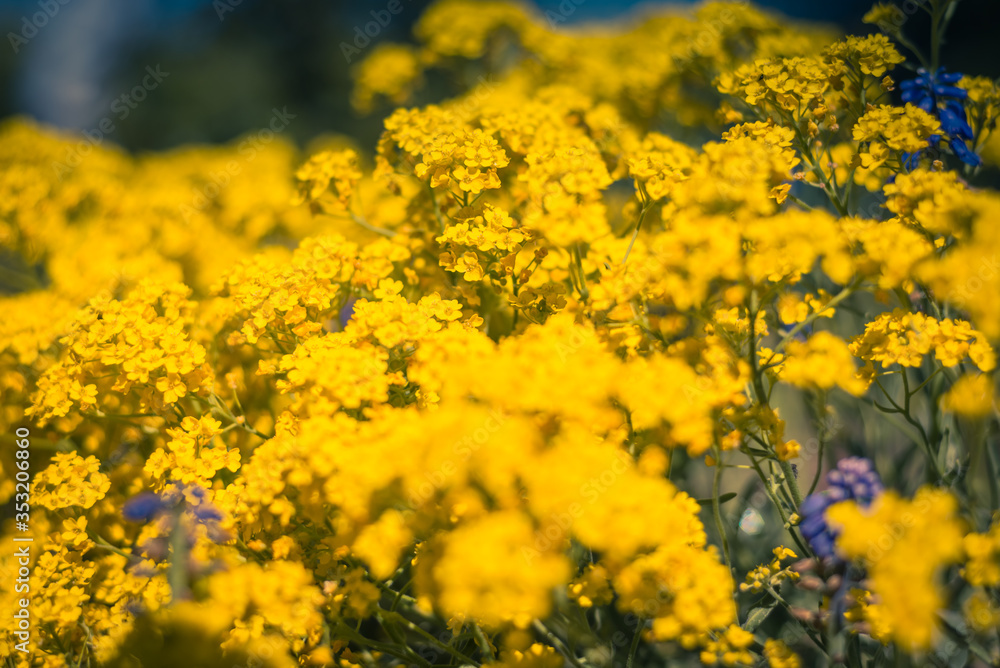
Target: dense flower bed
column 512, row 388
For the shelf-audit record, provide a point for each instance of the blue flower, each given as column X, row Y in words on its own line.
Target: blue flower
column 854, row 479
column 347, row 312
column 936, row 94
column 142, row 507
column 813, row 525
column 176, row 498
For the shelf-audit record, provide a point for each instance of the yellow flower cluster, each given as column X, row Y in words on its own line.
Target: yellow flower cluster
column 886, row 132
column 767, row 576
column 504, row 586
column 437, row 147
column 933, row 201
column 794, row 85
column 391, row 71
column 983, row 553
column 972, row 395
column 507, row 397
column 69, row 481
column 872, row 55
column 904, row 544
column 906, row 338
column 288, row 299
column 484, row 240
column 779, row 655
column 187, row 459
column 327, row 180
column 730, row 649
column 138, row 350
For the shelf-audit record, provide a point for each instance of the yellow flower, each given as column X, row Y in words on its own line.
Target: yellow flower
column 731, row 648
column 904, row 545
column 971, row 396
column 982, row 612
column 983, row 553
column 390, row 71
column 823, row 361
column 873, row 54
column 767, row 576
column 484, row 575
column 328, row 173
column 70, row 480
column 901, row 128
column 905, row 338
column 779, row 655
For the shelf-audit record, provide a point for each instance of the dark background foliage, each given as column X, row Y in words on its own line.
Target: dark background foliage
column 230, row 62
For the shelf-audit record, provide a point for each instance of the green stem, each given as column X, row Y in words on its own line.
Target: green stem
column 716, row 510
column 484, row 643
column 819, row 466
column 223, row 409
column 584, row 292
column 931, row 455
column 385, row 648
column 106, row 545
column 799, row 202
column 372, row 228
column 846, row 292
column 177, row 571
column 403, row 621
column 935, row 35
column 647, row 204
column 634, row 647
column 437, row 209
column 556, row 642
column 828, row 188
column 793, row 483
column 785, row 520
column 813, row 635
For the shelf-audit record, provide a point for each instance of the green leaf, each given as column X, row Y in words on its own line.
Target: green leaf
column 722, row 499
column 757, row 617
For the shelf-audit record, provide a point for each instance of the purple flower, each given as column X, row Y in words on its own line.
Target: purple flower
column 347, row 312
column 176, row 498
column 854, row 479
column 142, row 507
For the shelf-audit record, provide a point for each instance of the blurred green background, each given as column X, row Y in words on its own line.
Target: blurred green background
column 228, row 63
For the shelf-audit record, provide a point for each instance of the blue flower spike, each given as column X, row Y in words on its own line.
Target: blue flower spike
column 937, row 94
column 142, row 507
column 854, row 479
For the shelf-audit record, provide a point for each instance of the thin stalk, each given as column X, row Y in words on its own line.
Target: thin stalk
column 634, row 647
column 846, row 292
column 372, row 228
column 716, row 510
column 484, row 643
column 437, row 209
column 556, row 642
column 403, row 621
column 177, row 571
